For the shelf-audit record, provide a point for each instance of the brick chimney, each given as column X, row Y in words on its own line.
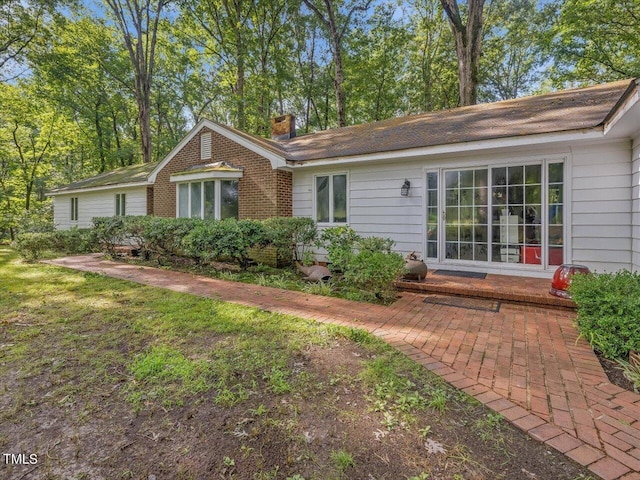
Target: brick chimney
column 283, row 127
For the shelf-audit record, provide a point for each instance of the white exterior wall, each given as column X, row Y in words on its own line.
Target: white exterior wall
column 601, row 231
column 375, row 206
column 635, row 205
column 101, row 203
column 597, row 196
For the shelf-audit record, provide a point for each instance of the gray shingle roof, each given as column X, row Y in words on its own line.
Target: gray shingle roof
column 131, row 174
column 568, row 110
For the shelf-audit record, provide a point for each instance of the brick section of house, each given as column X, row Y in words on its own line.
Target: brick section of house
column 263, row 192
column 149, row 200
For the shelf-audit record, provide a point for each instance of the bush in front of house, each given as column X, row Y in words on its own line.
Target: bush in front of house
column 291, row 236
column 227, row 239
column 74, row 241
column 163, row 236
column 32, row 246
column 366, row 263
column 608, row 307
column 110, row 233
column 340, row 244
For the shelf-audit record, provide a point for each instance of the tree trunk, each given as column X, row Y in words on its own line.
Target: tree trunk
column 468, row 40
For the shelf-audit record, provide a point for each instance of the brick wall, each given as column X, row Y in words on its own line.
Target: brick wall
column 149, row 200
column 263, row 192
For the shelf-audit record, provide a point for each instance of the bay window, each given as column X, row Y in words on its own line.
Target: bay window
column 208, row 199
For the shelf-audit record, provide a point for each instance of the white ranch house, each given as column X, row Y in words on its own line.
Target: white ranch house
column 515, row 187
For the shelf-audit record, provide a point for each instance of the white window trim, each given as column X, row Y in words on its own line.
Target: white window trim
column 217, row 199
column 123, row 204
column 213, row 175
column 544, row 161
column 330, row 223
column 74, row 203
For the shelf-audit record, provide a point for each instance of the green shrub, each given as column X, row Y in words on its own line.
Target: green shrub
column 375, row 272
column 227, row 239
column 609, row 311
column 163, row 236
column 31, row 246
column 291, row 236
column 74, row 241
column 368, row 264
column 340, row 243
column 110, row 232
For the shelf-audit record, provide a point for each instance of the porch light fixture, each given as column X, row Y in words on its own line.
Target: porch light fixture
column 404, row 190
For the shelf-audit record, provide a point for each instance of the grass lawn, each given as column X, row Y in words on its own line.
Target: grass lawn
column 104, row 378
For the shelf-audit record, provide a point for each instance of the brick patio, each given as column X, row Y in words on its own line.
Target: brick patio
column 525, row 362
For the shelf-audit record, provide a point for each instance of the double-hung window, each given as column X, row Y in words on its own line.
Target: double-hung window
column 121, row 203
column 331, row 198
column 208, row 199
column 74, row 209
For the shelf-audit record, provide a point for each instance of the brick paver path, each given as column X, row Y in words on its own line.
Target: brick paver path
column 526, row 363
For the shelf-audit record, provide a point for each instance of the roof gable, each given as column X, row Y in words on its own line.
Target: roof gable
column 265, row 148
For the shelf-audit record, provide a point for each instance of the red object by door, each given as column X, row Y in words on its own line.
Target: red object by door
column 562, row 279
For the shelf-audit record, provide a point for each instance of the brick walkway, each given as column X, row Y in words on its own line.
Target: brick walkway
column 524, row 362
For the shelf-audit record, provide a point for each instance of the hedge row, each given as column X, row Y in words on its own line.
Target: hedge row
column 33, row 245
column 206, row 240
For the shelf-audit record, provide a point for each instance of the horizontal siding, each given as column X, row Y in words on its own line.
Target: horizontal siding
column 376, row 207
column 600, row 210
column 612, row 206
column 601, row 207
column 635, row 205
column 97, row 204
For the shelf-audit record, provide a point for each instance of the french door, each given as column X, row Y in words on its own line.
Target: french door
column 504, row 214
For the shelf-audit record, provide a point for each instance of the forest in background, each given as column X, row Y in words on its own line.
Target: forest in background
column 86, row 87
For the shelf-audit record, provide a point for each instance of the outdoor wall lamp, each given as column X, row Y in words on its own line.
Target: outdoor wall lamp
column 404, row 190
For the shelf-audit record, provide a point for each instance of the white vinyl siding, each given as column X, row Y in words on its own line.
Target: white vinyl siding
column 601, row 206
column 96, row 204
column 597, row 196
column 374, row 204
column 635, row 205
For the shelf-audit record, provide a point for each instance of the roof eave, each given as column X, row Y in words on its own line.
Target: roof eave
column 629, row 98
column 454, row 148
column 54, row 193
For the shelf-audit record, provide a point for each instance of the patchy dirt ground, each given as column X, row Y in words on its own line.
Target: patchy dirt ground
column 96, row 434
column 103, row 379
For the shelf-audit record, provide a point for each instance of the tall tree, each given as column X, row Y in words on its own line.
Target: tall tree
column 337, row 24
column 138, row 22
column 20, row 23
column 431, row 80
column 512, row 57
column 468, row 38
column 375, row 67
column 594, row 41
